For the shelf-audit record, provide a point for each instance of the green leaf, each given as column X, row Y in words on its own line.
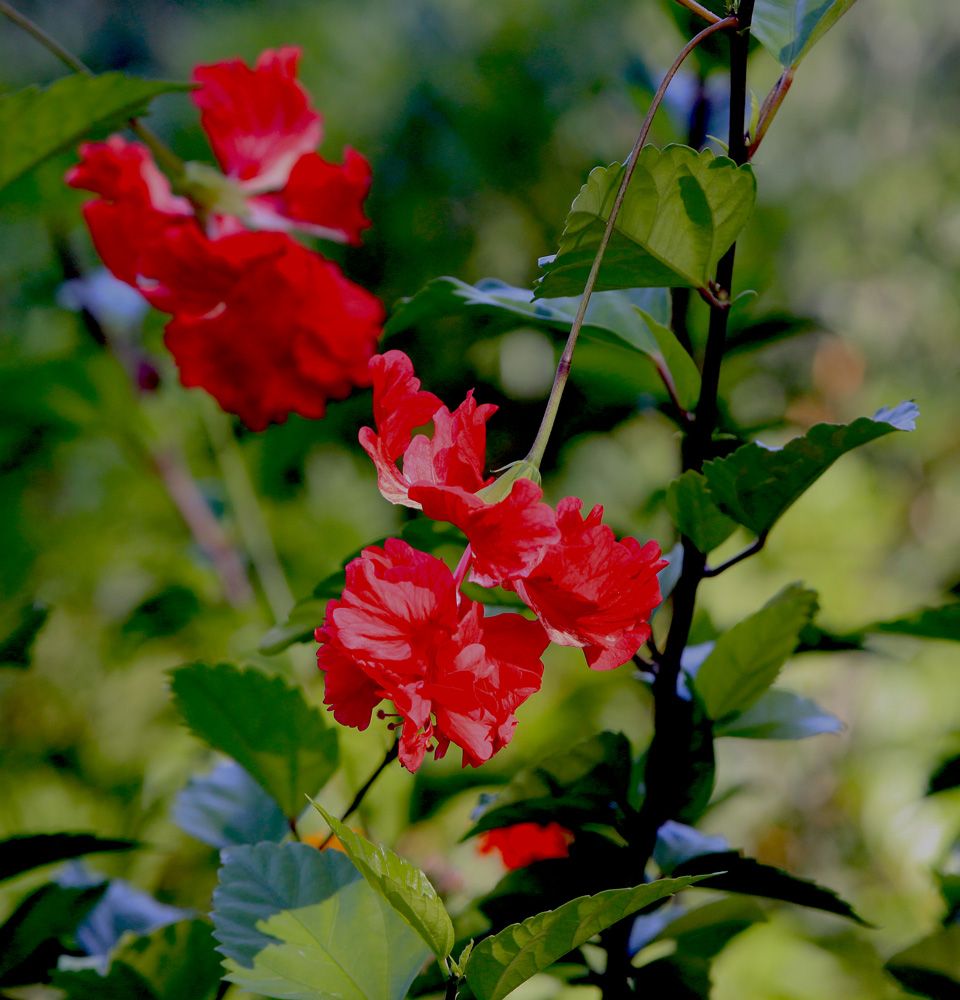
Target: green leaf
column 30, row 939
column 635, row 319
column 788, row 29
column 780, row 715
column 228, row 807
column 120, row 983
column 403, row 885
column 16, row 646
column 928, row 623
column 751, row 878
column 21, row 853
column 931, row 966
column 303, row 924
column 746, row 660
column 38, row 122
column 681, row 213
column 583, row 784
column 264, row 724
column 499, row 964
column 755, row 485
column 177, row 961
column 695, row 514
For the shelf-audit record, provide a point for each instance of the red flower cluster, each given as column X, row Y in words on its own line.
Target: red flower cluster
column 402, row 631
column 265, row 325
column 523, row 843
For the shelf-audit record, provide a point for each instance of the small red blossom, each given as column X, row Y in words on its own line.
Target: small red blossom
column 401, row 632
column 523, row 843
column 266, row 326
column 453, row 455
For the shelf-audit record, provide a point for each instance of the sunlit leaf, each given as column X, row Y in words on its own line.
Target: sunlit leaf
column 264, row 724
column 302, row 924
column 21, row 853
column 790, row 28
column 501, row 963
column 402, row 884
column 228, row 807
column 780, row 715
column 682, row 211
column 37, row 122
column 747, row 659
column 755, row 485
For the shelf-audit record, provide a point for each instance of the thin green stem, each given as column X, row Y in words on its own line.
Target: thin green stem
column 164, row 155
column 253, row 527
column 388, row 758
column 536, row 453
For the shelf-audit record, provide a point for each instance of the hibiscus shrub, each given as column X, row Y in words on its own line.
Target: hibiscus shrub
column 442, row 636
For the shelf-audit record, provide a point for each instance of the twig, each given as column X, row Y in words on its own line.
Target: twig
column 389, row 757
column 566, row 358
column 252, row 525
column 692, row 5
column 750, row 550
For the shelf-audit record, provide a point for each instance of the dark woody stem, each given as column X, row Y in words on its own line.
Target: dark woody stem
column 536, row 453
column 164, row 155
column 389, row 757
column 669, row 746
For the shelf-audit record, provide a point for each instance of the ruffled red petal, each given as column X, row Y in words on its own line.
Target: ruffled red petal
column 524, row 843
column 259, row 121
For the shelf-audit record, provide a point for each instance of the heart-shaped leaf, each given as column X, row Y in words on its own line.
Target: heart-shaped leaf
column 681, row 213
column 264, row 724
column 746, row 659
column 302, row 924
column 403, row 885
column 501, row 963
column 38, row 122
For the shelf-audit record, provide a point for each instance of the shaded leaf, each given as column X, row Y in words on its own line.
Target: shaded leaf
column 17, row 645
column 120, row 983
column 228, row 807
column 21, row 853
column 755, row 485
column 682, row 211
column 751, row 878
column 30, row 940
column 695, row 514
column 946, row 776
column 780, row 715
column 788, row 29
column 38, row 122
column 402, row 884
column 162, row 614
column 928, row 623
column 264, row 724
column 501, row 963
column 746, row 660
column 582, row 784
column 931, row 967
column 303, row 924
column 178, row 961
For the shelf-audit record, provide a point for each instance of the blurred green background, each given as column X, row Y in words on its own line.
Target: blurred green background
column 481, row 119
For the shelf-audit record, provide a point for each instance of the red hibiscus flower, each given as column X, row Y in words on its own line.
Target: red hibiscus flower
column 265, row 326
column 523, row 843
column 590, row 590
column 401, row 632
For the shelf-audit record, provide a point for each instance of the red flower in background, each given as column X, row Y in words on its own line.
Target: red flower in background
column 266, row 326
column 523, row 843
column 401, row 632
column 592, row 591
